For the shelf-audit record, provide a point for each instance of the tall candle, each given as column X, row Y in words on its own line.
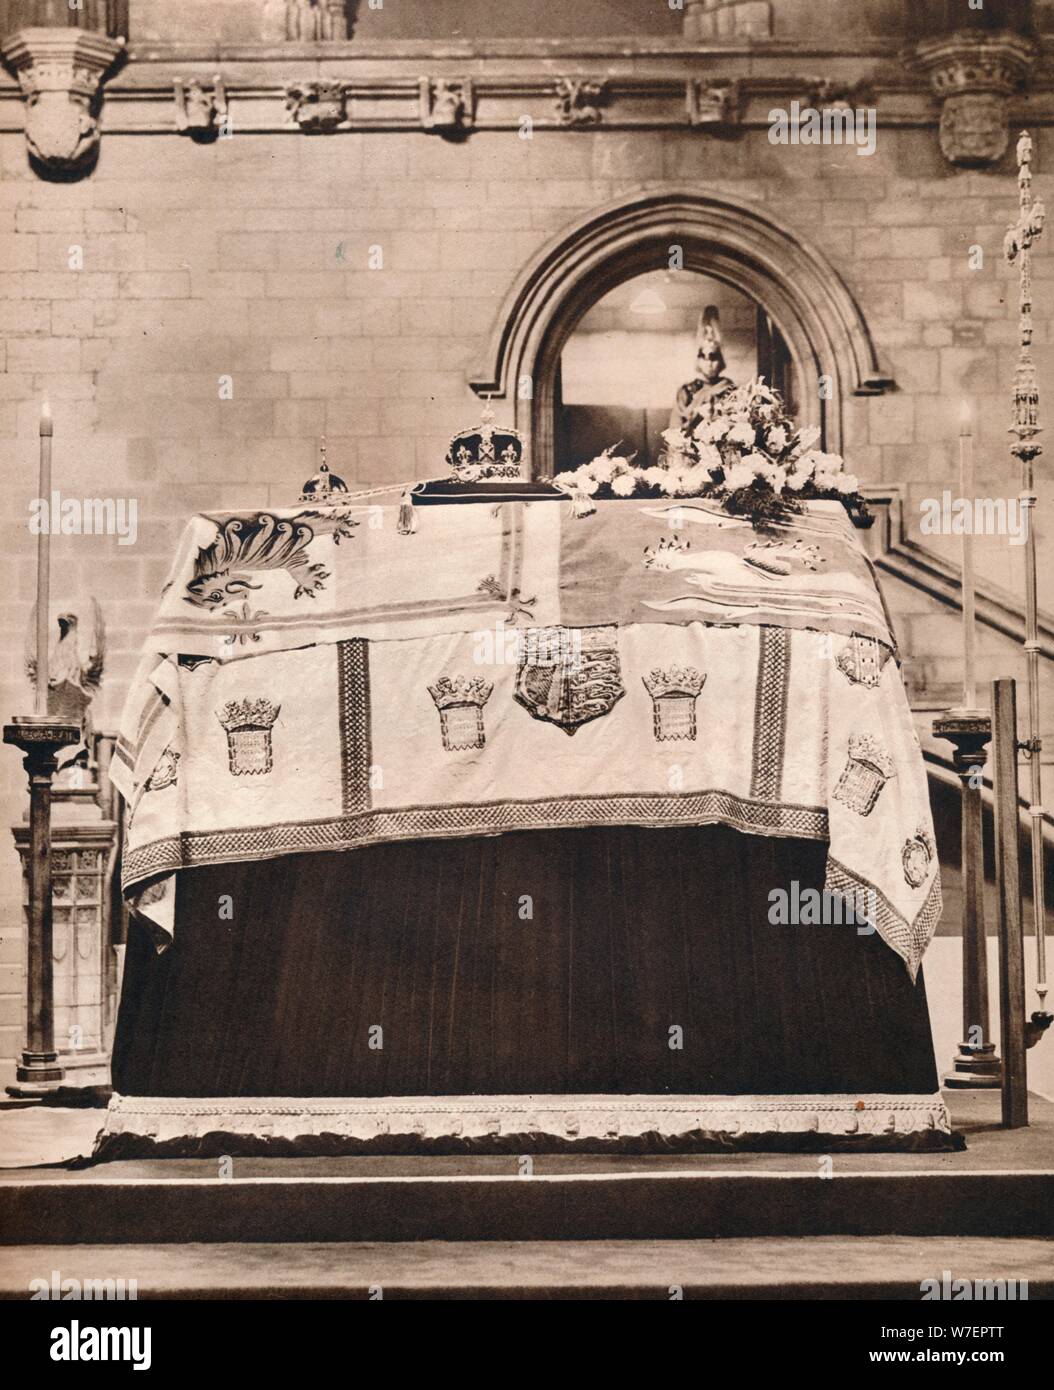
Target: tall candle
column 40, row 705
column 966, row 491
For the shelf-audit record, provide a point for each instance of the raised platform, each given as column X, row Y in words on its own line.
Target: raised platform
column 1002, row 1185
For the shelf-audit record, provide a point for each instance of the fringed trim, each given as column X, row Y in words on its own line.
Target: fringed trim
column 562, row 1119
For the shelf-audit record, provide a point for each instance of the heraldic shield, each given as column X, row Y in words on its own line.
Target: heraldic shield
column 569, row 675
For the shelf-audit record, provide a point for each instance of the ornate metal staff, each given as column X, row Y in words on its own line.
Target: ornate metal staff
column 1018, row 247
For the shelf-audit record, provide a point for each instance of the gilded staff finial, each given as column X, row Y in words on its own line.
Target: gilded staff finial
column 1020, row 238
column 1017, row 246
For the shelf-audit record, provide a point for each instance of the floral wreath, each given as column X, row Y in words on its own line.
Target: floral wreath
column 748, row 455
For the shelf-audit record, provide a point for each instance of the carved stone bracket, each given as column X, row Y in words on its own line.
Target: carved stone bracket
column 60, row 72
column 578, row 101
column 974, row 75
column 713, row 103
column 447, row 108
column 317, row 106
column 839, row 96
column 200, row 113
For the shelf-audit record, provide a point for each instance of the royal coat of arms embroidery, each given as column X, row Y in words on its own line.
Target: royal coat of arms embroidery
column 865, row 774
column 674, row 693
column 569, row 675
column 248, row 724
column 460, row 704
column 917, row 856
column 862, row 660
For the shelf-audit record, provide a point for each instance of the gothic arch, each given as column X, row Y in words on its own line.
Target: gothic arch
column 735, row 241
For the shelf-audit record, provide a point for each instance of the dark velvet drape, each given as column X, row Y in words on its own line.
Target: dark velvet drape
column 533, row 962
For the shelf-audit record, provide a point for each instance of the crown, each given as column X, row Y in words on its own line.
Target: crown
column 675, row 682
column 449, row 693
column 864, row 749
column 486, row 452
column 321, row 487
column 248, row 714
column 659, row 557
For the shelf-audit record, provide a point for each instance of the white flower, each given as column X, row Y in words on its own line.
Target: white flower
column 757, row 463
column 739, row 475
column 693, row 480
column 807, row 437
column 624, row 485
column 709, row 457
column 711, row 431
column 796, row 481
column 655, row 477
column 848, row 483
column 742, row 432
column 776, row 438
column 670, row 483
column 601, row 468
column 674, row 437
column 584, row 482
column 804, row 464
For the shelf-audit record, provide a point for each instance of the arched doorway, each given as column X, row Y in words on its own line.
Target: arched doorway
column 738, row 244
column 623, row 363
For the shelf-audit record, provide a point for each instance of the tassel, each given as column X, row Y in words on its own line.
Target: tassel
column 407, row 523
column 581, row 504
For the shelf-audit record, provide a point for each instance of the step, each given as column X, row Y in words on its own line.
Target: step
column 100, row 1206
column 814, row 1268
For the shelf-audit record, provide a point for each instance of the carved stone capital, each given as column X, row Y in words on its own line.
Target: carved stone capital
column 974, row 74
column 60, row 72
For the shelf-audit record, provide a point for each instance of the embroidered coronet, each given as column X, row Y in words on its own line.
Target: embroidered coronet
column 674, row 693
column 867, row 771
column 460, row 702
column 248, row 724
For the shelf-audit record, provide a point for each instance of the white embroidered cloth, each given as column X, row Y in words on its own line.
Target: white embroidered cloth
column 512, row 667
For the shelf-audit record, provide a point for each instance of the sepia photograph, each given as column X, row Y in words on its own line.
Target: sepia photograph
column 527, row 670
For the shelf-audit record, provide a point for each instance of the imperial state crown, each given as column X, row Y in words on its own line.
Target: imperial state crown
column 486, row 450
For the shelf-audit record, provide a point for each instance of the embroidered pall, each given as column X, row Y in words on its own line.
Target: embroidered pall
column 862, row 660
column 917, row 856
column 460, row 704
column 674, row 693
column 248, row 724
column 865, row 774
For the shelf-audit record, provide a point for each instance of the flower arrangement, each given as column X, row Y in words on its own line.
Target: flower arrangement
column 748, row 455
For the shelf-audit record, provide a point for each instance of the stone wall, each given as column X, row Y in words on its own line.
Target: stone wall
column 249, row 258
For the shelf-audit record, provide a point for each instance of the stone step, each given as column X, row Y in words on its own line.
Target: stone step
column 570, row 1201
column 822, row 1267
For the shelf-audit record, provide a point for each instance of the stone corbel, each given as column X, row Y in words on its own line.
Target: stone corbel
column 974, row 74
column 60, row 72
column 713, row 103
column 578, row 101
column 317, row 106
column 200, row 113
column 447, row 108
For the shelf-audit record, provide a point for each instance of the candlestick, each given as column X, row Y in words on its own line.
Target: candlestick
column 40, row 702
column 966, row 491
